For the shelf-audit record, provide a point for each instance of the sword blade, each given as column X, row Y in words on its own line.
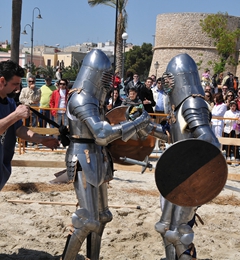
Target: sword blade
column 232, row 188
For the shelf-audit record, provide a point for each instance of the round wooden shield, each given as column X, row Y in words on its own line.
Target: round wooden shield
column 134, row 148
column 191, row 172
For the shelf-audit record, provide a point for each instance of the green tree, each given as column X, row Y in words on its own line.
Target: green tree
column 216, row 27
column 34, row 69
column 70, row 72
column 138, row 60
column 48, row 71
column 121, row 25
column 16, row 28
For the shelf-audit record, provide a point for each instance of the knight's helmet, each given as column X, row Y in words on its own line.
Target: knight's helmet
column 181, row 79
column 95, row 76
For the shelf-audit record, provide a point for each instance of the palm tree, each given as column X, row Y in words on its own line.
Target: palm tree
column 15, row 37
column 121, row 25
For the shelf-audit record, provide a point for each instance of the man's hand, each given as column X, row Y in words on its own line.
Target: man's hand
column 50, row 142
column 22, row 111
column 134, row 112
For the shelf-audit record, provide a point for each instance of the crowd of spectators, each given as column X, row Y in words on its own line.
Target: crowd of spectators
column 221, row 93
column 51, row 98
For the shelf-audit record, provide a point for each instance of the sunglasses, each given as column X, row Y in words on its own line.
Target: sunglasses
column 229, row 95
column 63, row 84
column 31, row 81
column 207, row 96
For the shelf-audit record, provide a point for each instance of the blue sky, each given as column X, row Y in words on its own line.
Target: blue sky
column 74, row 21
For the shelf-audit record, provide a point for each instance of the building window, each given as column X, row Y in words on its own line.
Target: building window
column 49, row 63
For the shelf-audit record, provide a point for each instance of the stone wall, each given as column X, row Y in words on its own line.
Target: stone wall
column 181, row 33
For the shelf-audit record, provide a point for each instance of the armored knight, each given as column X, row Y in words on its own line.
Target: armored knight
column 189, row 118
column 89, row 165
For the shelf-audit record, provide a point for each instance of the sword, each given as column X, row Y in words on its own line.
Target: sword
column 145, row 164
column 232, row 188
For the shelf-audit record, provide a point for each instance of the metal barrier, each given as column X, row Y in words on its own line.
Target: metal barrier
column 46, row 129
column 53, row 164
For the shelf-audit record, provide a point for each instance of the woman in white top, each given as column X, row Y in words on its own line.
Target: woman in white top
column 218, row 110
column 232, row 129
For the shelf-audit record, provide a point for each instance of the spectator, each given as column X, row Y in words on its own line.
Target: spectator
column 46, row 93
column 235, row 84
column 218, row 110
column 154, row 78
column 30, row 96
column 208, row 87
column 132, row 98
column 229, row 82
column 206, row 75
column 129, row 77
column 58, row 74
column 117, row 80
column 114, row 100
column 38, row 75
column 225, row 78
column 158, row 94
column 209, row 99
column 238, row 100
column 224, row 91
column 59, row 100
column 214, row 84
column 162, row 107
column 11, row 119
column 229, row 97
column 136, row 83
column 206, row 78
column 146, row 95
column 29, row 74
column 219, row 80
column 161, row 100
column 232, row 129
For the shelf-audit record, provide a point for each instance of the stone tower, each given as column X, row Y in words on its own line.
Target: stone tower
column 181, row 33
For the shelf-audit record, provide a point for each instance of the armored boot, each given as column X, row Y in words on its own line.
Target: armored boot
column 83, row 225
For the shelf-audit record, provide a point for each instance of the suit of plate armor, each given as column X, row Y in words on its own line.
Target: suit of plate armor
column 190, row 118
column 89, row 165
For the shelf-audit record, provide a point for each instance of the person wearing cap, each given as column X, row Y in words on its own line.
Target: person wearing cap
column 232, row 129
column 46, row 93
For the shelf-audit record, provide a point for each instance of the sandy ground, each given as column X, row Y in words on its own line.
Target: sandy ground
column 36, row 231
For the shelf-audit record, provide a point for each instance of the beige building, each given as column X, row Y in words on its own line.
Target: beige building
column 72, row 55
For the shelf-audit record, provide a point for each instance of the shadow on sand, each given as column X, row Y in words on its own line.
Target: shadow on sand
column 28, row 254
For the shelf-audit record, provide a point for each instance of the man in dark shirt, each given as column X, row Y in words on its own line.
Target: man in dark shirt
column 11, row 119
column 135, row 83
column 146, row 95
